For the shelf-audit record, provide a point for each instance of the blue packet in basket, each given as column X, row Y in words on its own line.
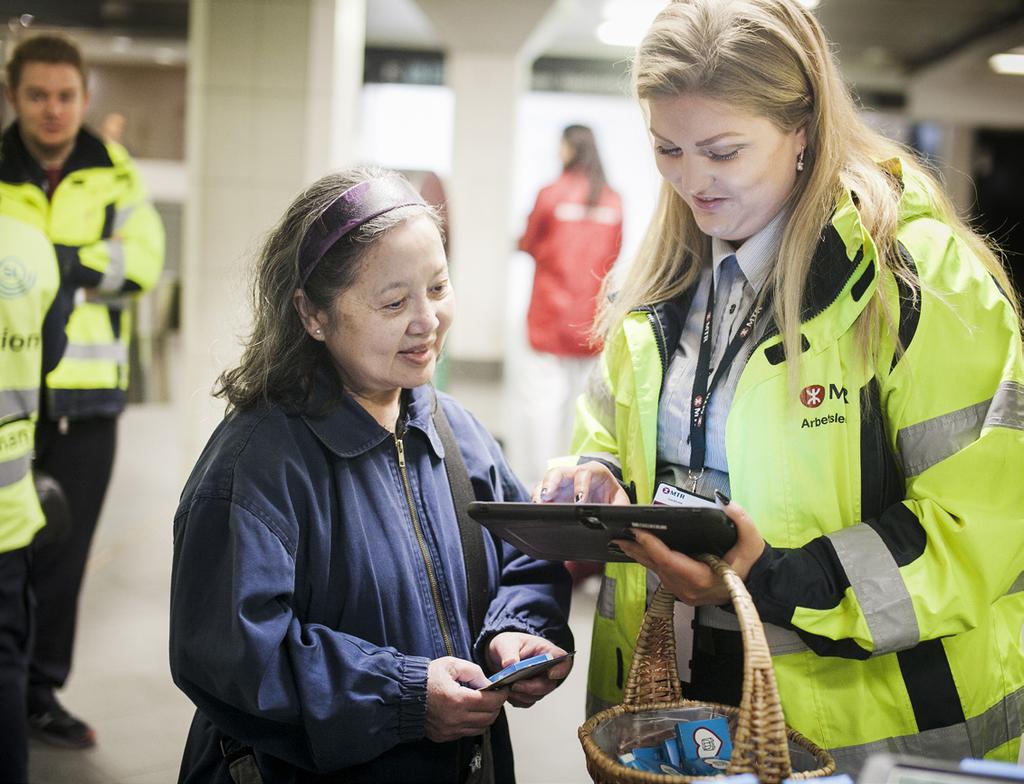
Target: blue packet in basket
column 705, row 746
column 646, row 758
column 670, row 751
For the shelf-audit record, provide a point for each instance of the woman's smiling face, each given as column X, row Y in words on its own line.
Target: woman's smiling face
column 734, row 170
column 385, row 332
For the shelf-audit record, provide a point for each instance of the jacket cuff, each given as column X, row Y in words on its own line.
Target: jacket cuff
column 757, row 582
column 562, row 637
column 412, row 713
column 503, row 623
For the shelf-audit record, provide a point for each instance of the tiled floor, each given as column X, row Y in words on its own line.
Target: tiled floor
column 120, row 681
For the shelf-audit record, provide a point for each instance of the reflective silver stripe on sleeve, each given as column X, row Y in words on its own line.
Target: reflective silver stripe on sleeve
column 879, row 588
column 110, row 352
column 113, row 278
column 1018, row 584
column 1007, row 409
column 14, row 470
column 942, row 743
column 122, row 217
column 926, row 443
column 780, row 641
column 18, row 403
column 974, row 738
column 932, row 441
column 606, row 598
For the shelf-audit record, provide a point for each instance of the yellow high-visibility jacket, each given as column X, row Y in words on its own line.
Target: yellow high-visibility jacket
column 893, row 584
column 110, row 243
column 29, row 281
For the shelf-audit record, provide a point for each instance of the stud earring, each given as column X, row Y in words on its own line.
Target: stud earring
column 800, row 161
column 319, row 332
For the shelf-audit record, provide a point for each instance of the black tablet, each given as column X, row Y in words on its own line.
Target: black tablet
column 585, row 532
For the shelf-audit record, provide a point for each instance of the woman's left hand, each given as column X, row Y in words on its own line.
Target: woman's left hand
column 510, row 647
column 690, row 580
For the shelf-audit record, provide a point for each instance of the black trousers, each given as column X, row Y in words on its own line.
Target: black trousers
column 716, row 669
column 15, row 629
column 81, row 460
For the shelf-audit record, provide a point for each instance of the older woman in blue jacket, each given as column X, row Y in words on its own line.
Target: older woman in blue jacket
column 319, row 610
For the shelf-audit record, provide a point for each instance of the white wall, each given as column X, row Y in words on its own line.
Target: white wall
column 406, row 126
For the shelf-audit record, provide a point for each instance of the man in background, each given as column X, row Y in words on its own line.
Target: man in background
column 88, row 198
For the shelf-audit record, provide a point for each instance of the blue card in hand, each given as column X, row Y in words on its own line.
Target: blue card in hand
column 527, row 668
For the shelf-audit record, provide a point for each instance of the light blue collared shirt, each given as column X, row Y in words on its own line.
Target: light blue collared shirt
column 739, row 276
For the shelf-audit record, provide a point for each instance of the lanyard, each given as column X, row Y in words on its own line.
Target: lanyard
column 701, row 389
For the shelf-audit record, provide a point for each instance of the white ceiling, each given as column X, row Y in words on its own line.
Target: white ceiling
column 878, row 42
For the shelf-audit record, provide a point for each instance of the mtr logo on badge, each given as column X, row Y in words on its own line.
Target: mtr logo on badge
column 814, row 395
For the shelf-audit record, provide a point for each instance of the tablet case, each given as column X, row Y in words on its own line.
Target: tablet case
column 585, row 532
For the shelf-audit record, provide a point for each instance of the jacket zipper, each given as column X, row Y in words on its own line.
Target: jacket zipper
column 422, row 542
column 659, row 335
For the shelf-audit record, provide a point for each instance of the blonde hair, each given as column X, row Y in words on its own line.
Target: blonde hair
column 770, row 59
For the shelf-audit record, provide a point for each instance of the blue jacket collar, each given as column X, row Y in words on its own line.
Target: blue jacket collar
column 348, row 430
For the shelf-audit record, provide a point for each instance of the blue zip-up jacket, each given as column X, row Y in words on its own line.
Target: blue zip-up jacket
column 302, row 612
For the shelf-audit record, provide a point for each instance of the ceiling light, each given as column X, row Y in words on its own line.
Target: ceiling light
column 626, row 21
column 1011, row 62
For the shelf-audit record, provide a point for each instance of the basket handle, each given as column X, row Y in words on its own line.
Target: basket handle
column 653, row 676
column 759, row 743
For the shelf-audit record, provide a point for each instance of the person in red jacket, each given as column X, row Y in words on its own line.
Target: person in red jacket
column 574, row 235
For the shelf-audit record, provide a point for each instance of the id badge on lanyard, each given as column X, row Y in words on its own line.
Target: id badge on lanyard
column 703, row 386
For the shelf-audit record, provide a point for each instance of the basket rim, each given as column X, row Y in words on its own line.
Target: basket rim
column 758, row 676
column 595, row 754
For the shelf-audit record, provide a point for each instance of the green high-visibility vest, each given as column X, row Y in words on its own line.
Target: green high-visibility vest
column 29, row 280
column 899, row 627
column 110, row 242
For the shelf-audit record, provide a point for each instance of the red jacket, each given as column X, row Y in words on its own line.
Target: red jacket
column 574, row 246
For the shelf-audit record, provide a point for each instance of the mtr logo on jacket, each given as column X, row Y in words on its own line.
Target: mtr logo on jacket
column 814, row 395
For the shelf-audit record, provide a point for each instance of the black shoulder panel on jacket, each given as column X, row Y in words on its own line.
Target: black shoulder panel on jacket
column 902, row 533
column 910, row 307
column 830, row 269
column 881, row 481
column 776, row 354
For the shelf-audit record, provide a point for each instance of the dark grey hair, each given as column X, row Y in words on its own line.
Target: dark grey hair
column 280, row 360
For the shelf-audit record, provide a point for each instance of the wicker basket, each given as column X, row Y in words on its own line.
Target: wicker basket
column 762, row 743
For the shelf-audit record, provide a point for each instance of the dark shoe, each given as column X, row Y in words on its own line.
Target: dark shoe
column 57, row 727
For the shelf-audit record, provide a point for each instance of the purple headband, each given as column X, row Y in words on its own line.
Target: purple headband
column 353, row 208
